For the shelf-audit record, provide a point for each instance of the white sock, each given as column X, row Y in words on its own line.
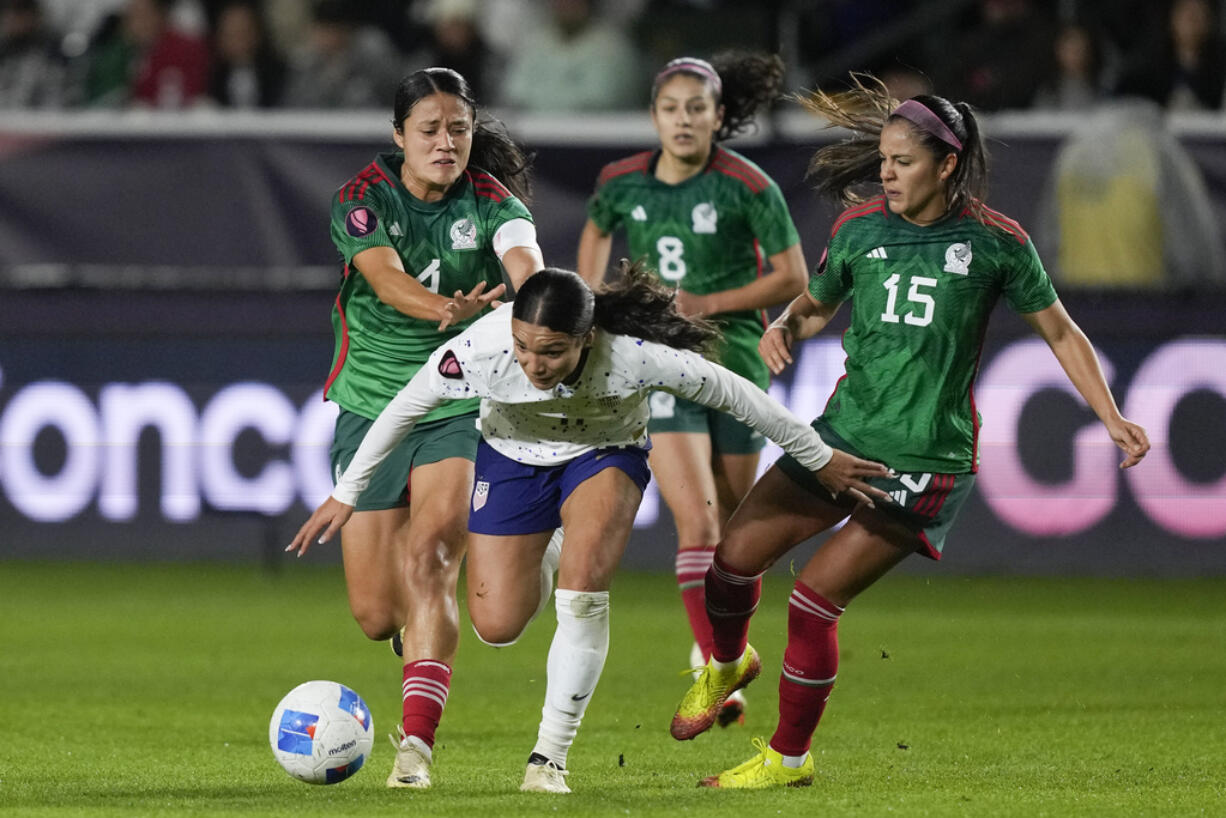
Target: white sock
column 549, row 567
column 421, row 746
column 576, row 658
column 794, row 762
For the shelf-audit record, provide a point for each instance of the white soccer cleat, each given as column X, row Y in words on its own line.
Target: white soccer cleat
column 412, row 766
column 545, row 776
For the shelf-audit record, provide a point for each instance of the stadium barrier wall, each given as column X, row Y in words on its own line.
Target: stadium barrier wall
column 181, row 425
column 165, row 333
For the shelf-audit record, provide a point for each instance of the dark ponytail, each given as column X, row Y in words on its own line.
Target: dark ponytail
column 844, row 169
column 633, row 303
column 493, row 149
column 743, row 82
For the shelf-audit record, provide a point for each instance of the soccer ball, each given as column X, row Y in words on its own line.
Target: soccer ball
column 321, row 732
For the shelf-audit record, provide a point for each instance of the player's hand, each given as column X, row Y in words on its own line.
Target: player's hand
column 844, row 473
column 1132, row 439
column 776, row 347
column 328, row 519
column 693, row 306
column 465, row 305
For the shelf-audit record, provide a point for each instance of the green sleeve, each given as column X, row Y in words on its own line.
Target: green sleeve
column 771, row 222
column 830, row 281
column 359, row 224
column 601, row 211
column 1027, row 287
column 509, row 209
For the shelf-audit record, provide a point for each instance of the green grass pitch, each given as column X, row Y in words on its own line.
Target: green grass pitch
column 146, row 690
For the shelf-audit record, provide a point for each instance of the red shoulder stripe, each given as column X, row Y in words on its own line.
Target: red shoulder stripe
column 736, row 173
column 487, row 186
column 998, row 219
column 356, row 187
column 874, row 205
column 631, row 164
column 484, row 179
column 735, row 166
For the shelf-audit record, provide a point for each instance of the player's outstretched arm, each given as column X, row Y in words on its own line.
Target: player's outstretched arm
column 1077, row 357
column 465, row 305
column 803, row 318
column 322, row 525
column 845, row 474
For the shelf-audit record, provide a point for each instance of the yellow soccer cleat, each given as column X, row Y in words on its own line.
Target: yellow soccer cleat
column 763, row 771
column 701, row 704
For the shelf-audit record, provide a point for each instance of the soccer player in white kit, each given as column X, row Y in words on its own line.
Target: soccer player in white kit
column 564, row 376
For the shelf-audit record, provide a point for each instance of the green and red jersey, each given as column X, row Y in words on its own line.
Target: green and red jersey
column 921, row 297
column 446, row 245
column 707, row 234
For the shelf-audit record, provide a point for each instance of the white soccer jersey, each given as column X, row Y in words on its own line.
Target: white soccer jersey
column 606, row 405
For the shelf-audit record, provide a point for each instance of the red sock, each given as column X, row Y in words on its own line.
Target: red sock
column 810, row 664
column 731, row 601
column 692, row 565
column 426, row 684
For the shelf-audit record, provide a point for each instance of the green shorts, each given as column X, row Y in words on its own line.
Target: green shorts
column 670, row 413
column 427, row 443
column 925, row 502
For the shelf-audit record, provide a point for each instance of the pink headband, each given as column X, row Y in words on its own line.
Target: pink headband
column 694, row 66
column 919, row 113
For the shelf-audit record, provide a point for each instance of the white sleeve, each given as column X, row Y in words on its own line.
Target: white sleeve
column 392, row 426
column 514, row 233
column 693, row 377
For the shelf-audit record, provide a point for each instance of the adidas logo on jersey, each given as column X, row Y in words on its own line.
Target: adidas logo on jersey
column 638, row 214
column 878, row 253
column 395, row 230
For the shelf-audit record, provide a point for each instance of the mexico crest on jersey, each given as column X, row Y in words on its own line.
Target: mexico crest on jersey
column 704, row 217
column 958, row 258
column 464, row 235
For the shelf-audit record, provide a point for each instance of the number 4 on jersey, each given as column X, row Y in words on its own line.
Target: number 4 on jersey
column 430, row 276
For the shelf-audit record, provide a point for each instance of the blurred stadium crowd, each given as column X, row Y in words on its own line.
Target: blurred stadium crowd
column 588, row 55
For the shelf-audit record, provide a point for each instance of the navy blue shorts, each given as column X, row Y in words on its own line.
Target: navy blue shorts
column 517, row 498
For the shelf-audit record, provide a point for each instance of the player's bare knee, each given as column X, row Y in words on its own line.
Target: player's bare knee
column 377, row 624
column 431, row 565
column 499, row 634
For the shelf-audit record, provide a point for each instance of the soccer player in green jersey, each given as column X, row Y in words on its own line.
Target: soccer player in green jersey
column 425, row 233
column 707, row 220
column 923, row 263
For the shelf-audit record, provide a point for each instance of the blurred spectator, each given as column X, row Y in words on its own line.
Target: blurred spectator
column 1185, row 66
column 1076, row 83
column 1127, row 207
column 139, row 59
column 454, row 41
column 247, row 70
column 904, row 83
column 575, row 62
column 32, row 68
column 344, row 64
column 994, row 64
column 665, row 28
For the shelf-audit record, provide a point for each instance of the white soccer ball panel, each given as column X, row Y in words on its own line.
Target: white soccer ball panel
column 321, row 732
